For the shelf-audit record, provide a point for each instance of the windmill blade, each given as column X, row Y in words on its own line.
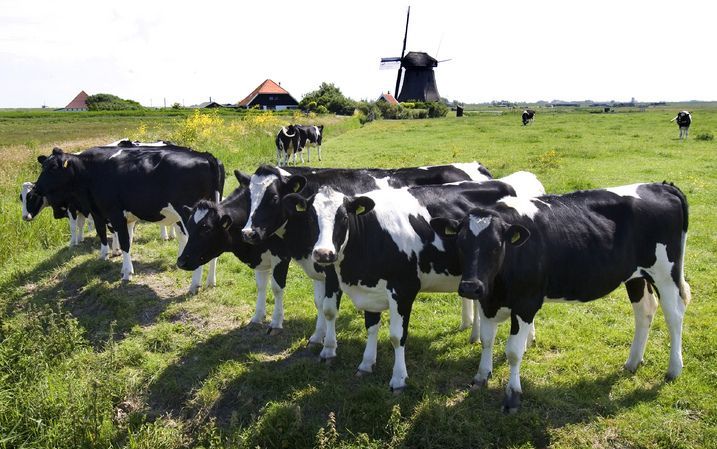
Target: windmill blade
column 445, row 60
column 403, row 50
column 390, row 63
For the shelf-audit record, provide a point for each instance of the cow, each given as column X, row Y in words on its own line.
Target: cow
column 287, row 137
column 269, row 185
column 528, row 116
column 215, row 228
column 308, row 136
column 684, row 120
column 382, row 260
column 577, row 247
column 134, row 183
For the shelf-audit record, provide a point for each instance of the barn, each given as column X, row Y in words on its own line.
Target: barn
column 79, row 103
column 269, row 95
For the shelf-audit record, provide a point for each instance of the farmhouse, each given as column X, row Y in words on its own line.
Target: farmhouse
column 388, row 98
column 269, row 95
column 79, row 103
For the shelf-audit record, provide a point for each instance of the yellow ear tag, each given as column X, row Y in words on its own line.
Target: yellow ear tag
column 64, row 164
column 515, row 237
column 450, row 231
column 296, row 188
column 360, row 210
column 300, row 207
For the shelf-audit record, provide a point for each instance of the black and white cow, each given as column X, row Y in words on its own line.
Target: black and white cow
column 132, row 184
column 310, row 135
column 577, row 247
column 268, row 186
column 382, row 260
column 215, row 228
column 684, row 120
column 286, row 138
column 528, row 116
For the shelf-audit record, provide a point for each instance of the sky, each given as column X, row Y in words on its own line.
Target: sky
column 154, row 51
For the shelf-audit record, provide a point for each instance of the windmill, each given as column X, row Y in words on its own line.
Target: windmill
column 419, row 80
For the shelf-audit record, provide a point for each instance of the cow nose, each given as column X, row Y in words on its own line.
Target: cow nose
column 324, row 255
column 249, row 235
column 181, row 262
column 471, row 289
column 27, row 217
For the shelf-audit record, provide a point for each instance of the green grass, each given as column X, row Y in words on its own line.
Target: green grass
column 86, row 361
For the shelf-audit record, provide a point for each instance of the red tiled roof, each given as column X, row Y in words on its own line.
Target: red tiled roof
column 80, row 101
column 267, row 87
column 389, row 98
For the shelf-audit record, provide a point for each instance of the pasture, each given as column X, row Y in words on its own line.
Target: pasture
column 88, row 361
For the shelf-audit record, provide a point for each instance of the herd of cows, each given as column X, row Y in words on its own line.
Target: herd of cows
column 384, row 235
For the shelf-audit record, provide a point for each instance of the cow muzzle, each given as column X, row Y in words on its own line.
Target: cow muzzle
column 183, row 263
column 27, row 217
column 323, row 256
column 250, row 236
column 471, row 289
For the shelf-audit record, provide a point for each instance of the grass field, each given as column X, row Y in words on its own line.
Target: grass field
column 87, row 361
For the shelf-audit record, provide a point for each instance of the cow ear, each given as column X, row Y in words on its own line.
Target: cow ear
column 242, row 178
column 516, row 235
column 187, row 210
column 359, row 205
column 57, row 151
column 41, row 159
column 294, row 203
column 294, row 184
column 225, row 221
column 445, row 227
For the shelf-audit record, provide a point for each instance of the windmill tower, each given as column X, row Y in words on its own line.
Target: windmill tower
column 419, row 79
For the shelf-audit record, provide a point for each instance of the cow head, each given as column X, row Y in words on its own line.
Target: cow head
column 267, row 187
column 58, row 173
column 329, row 213
column 481, row 238
column 32, row 202
column 207, row 233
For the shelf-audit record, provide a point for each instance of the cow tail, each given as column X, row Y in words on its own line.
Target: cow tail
column 685, row 291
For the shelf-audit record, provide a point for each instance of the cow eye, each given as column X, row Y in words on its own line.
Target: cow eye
column 275, row 198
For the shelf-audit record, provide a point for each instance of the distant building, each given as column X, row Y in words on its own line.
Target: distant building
column 269, row 95
column 79, row 103
column 210, row 105
column 388, row 98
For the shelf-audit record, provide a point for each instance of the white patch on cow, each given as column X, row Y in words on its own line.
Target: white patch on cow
column 116, row 154
column 382, row 183
column 629, row 190
column 171, row 216
column 318, row 132
column 524, row 183
column 524, row 206
column 438, row 243
column 26, row 187
column 307, row 265
column 472, row 169
column 326, row 202
column 660, row 270
column 393, row 209
column 478, row 224
column 283, row 172
column 199, row 214
column 257, row 189
column 129, row 216
column 371, row 299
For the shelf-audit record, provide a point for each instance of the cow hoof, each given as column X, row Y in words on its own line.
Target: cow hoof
column 671, row 377
column 256, row 320
column 363, row 373
column 194, row 289
column 329, row 361
column 632, row 368
column 479, row 384
column 473, row 340
column 511, row 402
column 272, row 331
column 397, row 390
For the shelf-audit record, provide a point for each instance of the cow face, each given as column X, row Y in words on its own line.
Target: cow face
column 481, row 239
column 32, row 202
column 333, row 211
column 207, row 230
column 266, row 189
column 58, row 173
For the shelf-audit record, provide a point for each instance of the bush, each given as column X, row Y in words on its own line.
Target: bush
column 108, row 102
column 330, row 97
column 705, row 136
column 436, row 109
column 368, row 112
column 321, row 109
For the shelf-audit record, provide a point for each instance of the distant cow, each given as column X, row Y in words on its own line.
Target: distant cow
column 528, row 116
column 287, row 137
column 520, row 253
column 684, row 120
column 309, row 135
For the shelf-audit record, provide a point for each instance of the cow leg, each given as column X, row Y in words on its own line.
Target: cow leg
column 116, row 251
column 475, row 330
column 73, row 229
column 320, row 331
column 318, row 149
column 514, row 350
column 644, row 306
column 308, row 154
column 211, row 274
column 372, row 321
column 301, row 155
column 488, row 329
column 262, row 279
column 400, row 311
column 278, row 283
column 466, row 313
column 101, row 228
column 171, row 232
column 331, row 303
column 163, row 232
column 196, row 274
column 80, row 229
column 123, row 235
column 90, row 224
column 673, row 308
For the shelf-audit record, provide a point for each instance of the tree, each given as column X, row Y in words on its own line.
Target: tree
column 330, row 97
column 109, row 102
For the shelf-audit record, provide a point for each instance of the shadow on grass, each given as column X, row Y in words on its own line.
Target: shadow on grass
column 437, row 409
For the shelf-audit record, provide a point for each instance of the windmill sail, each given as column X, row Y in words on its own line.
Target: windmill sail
column 390, row 63
column 403, row 50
